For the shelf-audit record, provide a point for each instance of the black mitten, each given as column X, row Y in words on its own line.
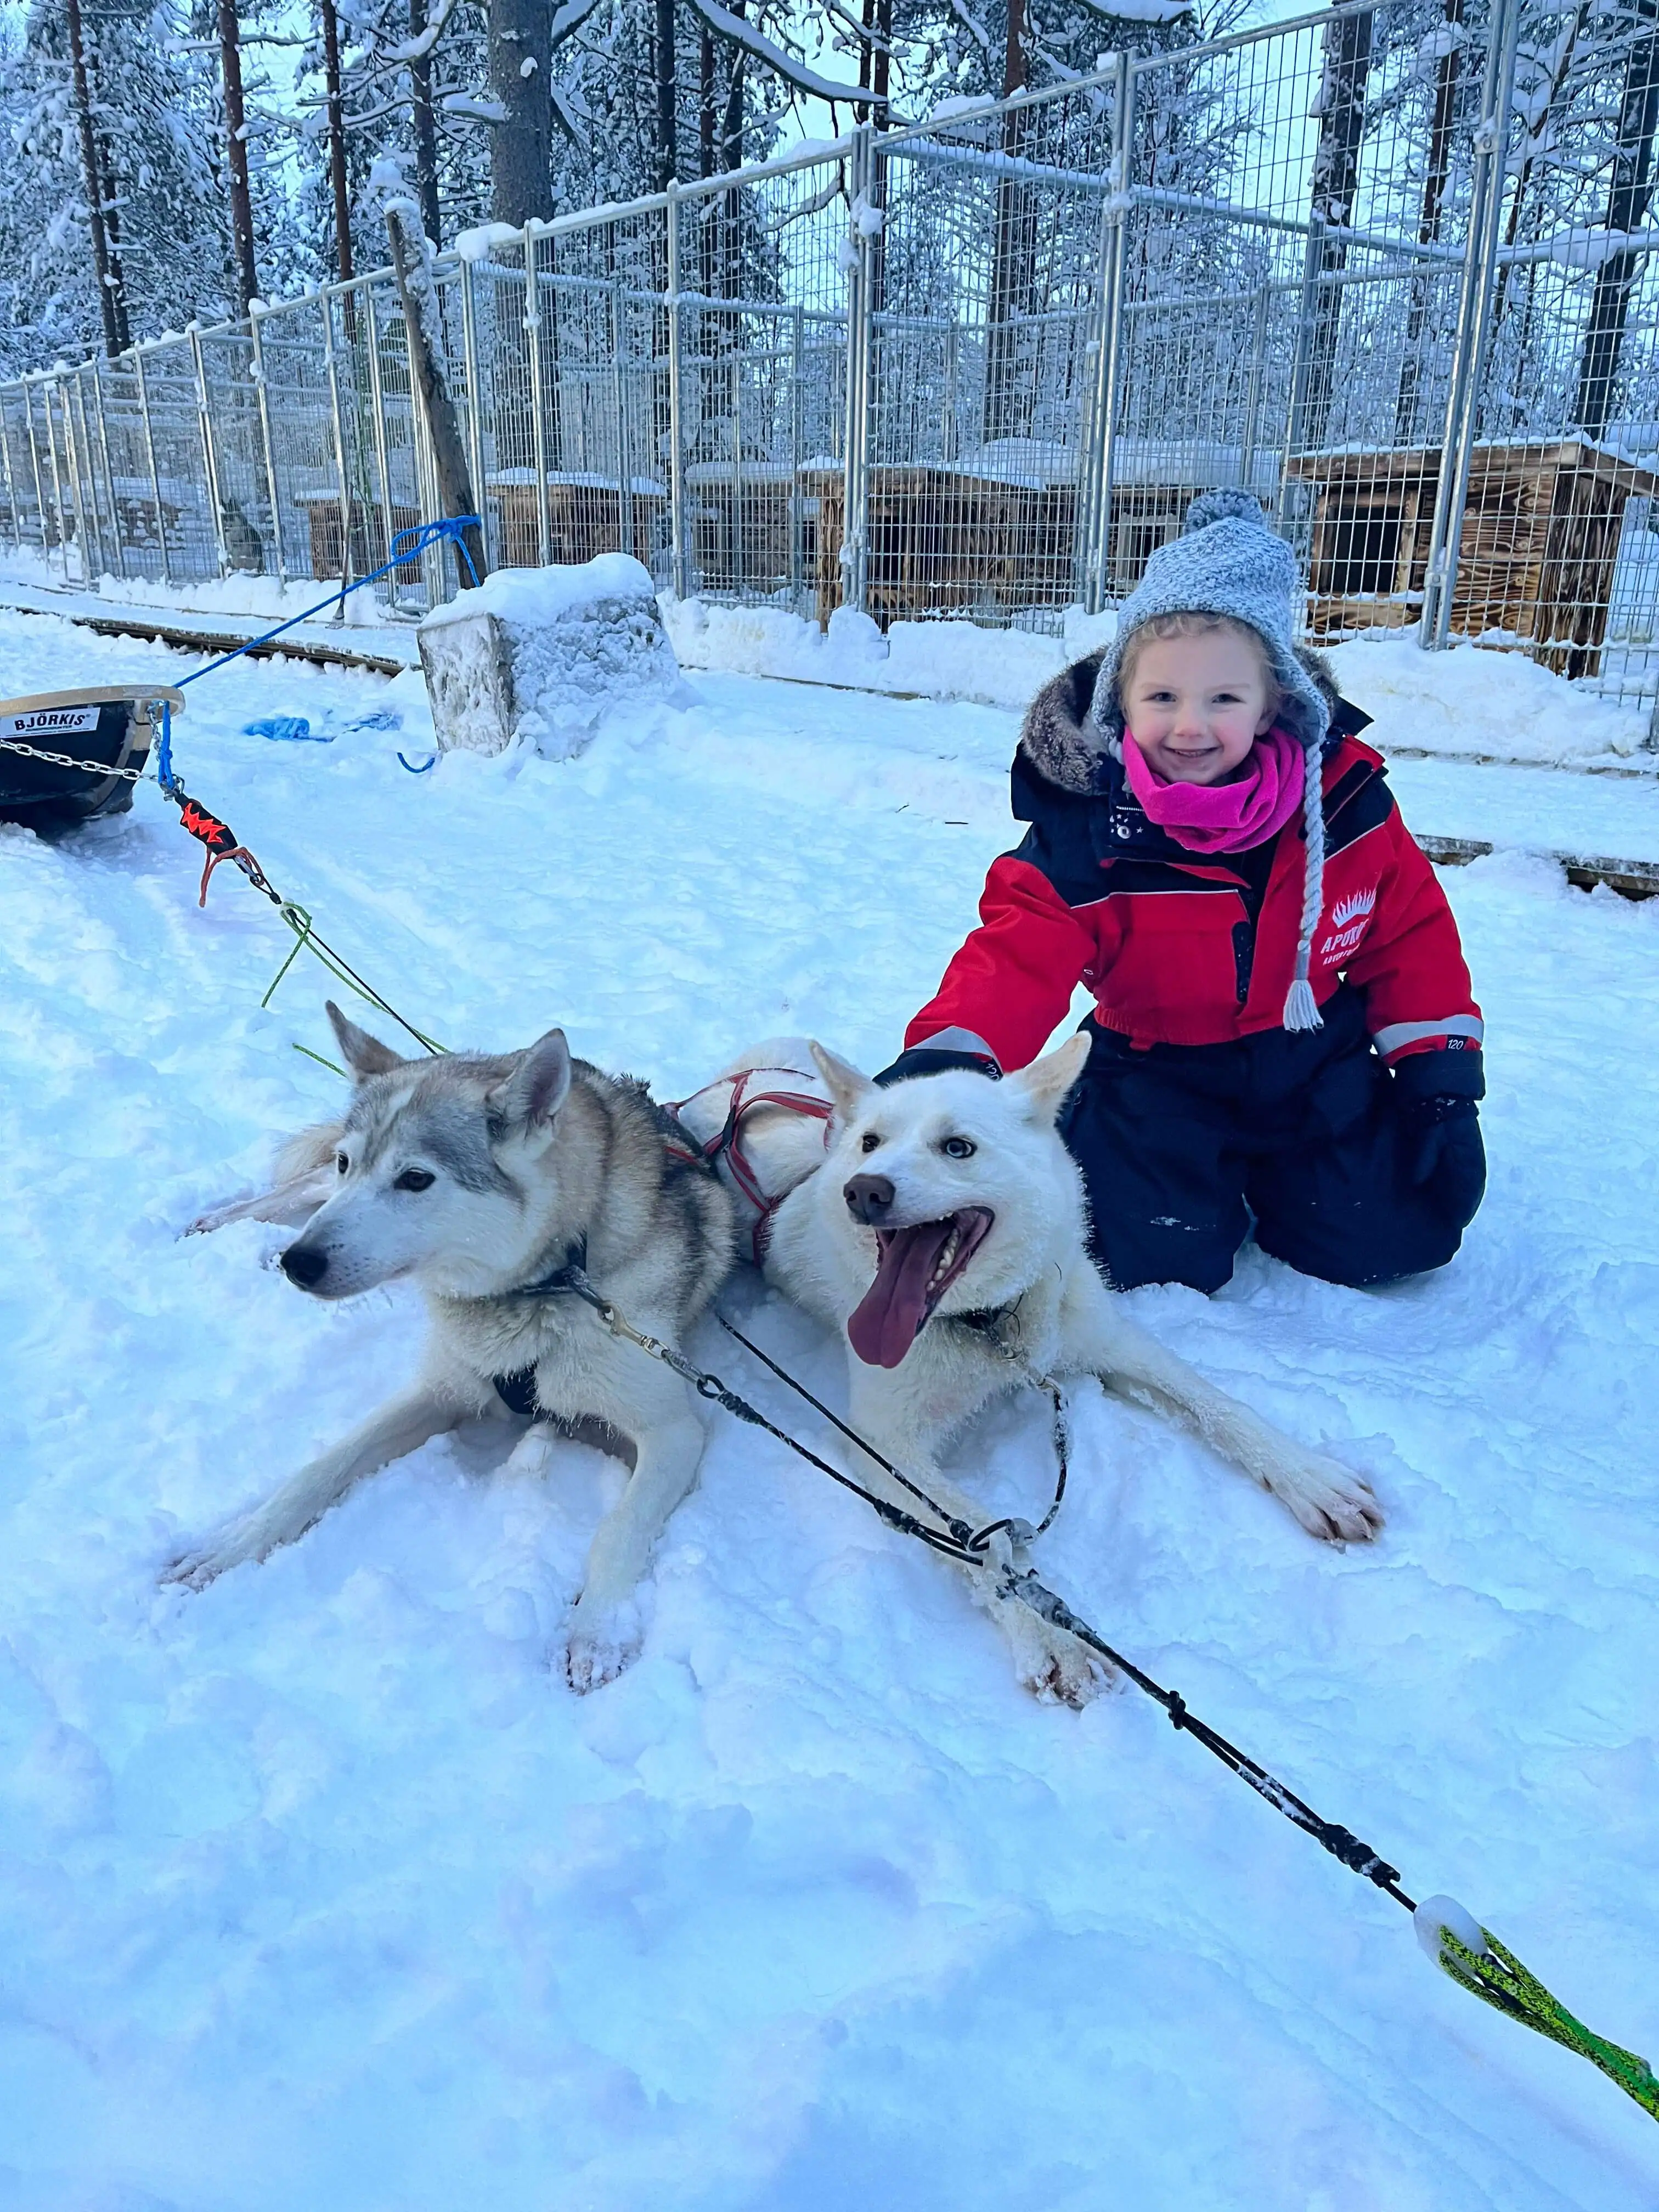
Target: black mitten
column 1443, row 1154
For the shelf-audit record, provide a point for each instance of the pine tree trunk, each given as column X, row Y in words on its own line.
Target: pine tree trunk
column 731, row 157
column 111, row 307
column 337, row 157
column 708, row 215
column 241, row 200
column 668, row 162
column 1627, row 210
column 1007, row 397
column 425, row 126
column 1335, row 183
column 521, row 145
column 1428, row 228
column 112, row 231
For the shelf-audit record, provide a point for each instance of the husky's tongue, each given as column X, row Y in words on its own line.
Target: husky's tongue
column 891, row 1311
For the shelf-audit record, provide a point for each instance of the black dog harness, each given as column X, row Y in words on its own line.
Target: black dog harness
column 517, row 1391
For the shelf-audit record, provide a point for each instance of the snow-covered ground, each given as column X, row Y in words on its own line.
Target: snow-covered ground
column 320, row 1890
column 1468, row 703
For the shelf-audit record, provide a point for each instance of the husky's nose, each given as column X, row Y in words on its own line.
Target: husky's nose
column 305, row 1265
column 869, row 1199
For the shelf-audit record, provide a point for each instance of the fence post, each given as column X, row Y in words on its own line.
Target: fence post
column 533, row 324
column 258, row 359
column 681, row 550
column 1100, row 457
column 98, row 479
column 56, row 477
column 34, row 463
column 475, row 408
column 209, row 458
column 90, row 457
column 1473, row 323
column 532, row 328
column 11, row 488
column 855, row 460
column 342, row 467
column 619, row 401
column 382, row 460
column 1302, row 369
column 109, row 473
column 797, row 438
column 154, row 473
column 72, row 456
column 82, row 478
column 1264, row 300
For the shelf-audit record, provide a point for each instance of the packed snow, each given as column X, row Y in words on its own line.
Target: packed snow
column 321, row 1889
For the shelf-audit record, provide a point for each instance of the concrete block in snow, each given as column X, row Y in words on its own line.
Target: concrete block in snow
column 542, row 655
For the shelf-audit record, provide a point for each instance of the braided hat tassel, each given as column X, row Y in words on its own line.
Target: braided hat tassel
column 1301, row 1007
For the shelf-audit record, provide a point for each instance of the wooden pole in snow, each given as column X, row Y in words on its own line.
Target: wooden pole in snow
column 411, row 262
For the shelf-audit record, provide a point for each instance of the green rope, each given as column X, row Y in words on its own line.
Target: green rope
column 307, row 940
column 320, row 1061
column 294, row 916
column 1498, row 1978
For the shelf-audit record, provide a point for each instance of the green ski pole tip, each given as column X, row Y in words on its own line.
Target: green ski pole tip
column 1473, row 1956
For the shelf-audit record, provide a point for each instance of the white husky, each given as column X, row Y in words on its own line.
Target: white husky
column 475, row 1177
column 950, row 1195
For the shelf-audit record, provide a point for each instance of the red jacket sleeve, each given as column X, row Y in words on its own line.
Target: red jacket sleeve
column 1012, row 983
column 1410, row 965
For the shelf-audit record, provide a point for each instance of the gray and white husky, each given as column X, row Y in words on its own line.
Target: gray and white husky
column 947, row 1196
column 474, row 1177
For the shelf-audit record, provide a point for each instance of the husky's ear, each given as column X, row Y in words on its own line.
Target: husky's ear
column 847, row 1087
column 364, row 1055
column 537, row 1086
column 1047, row 1081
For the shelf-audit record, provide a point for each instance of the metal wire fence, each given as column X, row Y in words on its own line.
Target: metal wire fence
column 979, row 366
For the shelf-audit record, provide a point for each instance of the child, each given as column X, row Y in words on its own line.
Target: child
column 1283, row 1031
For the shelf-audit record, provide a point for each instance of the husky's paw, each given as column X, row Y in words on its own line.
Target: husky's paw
column 232, row 1547
column 1331, row 1502
column 600, row 1645
column 1056, row 1669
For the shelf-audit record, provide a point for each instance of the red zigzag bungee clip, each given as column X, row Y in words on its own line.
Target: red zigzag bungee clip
column 221, row 841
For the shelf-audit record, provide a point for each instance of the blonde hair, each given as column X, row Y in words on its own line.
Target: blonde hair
column 1194, row 623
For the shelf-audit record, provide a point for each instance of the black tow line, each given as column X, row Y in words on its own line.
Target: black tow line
column 1464, row 1950
column 958, row 1540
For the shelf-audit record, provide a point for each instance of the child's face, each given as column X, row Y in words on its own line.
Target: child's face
column 1196, row 705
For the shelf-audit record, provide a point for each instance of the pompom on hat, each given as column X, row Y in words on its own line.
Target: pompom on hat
column 1228, row 562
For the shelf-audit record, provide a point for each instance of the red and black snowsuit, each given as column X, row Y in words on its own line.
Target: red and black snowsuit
column 1198, row 1110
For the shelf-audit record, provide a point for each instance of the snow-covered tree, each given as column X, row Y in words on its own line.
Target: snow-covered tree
column 153, row 112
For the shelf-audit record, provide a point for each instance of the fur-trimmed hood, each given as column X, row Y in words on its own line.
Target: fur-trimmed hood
column 1067, row 748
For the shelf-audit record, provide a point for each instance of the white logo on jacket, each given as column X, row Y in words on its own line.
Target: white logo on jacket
column 1350, row 918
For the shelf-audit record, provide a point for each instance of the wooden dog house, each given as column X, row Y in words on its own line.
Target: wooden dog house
column 1535, row 563
column 942, row 541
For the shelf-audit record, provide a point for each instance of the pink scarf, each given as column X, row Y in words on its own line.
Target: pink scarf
column 1224, row 817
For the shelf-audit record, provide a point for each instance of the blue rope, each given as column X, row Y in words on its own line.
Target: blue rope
column 405, row 545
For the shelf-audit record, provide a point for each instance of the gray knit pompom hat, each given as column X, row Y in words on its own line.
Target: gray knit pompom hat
column 1229, row 562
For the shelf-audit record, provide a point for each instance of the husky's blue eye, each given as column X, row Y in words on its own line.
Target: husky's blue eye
column 958, row 1148
column 415, row 1179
